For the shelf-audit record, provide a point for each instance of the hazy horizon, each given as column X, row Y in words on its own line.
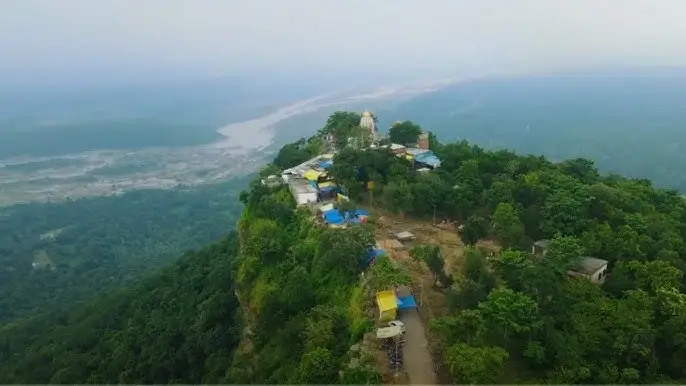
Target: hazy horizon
column 108, row 41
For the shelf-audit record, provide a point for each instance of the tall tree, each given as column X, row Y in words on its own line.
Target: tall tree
column 431, row 256
column 510, row 312
column 405, row 133
column 398, row 197
column 474, row 229
column 475, row 365
column 508, row 228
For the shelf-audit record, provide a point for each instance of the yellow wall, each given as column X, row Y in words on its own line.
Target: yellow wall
column 388, row 305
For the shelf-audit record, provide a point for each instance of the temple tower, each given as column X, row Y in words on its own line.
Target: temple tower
column 368, row 123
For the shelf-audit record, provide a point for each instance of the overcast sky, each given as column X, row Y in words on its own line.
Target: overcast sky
column 197, row 38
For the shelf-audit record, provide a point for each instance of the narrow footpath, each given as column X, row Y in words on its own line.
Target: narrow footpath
column 418, row 363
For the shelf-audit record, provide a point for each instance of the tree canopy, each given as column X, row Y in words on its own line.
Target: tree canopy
column 405, row 133
column 55, row 254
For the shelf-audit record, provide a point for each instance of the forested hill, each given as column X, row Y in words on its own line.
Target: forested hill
column 179, row 325
column 55, row 254
column 630, row 122
column 296, row 285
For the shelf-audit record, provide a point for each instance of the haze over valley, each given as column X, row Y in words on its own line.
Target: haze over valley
column 119, row 154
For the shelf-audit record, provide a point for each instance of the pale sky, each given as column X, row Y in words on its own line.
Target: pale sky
column 197, row 38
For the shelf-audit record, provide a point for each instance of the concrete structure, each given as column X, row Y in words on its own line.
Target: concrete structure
column 302, row 191
column 272, row 181
column 395, row 148
column 404, row 236
column 367, row 122
column 540, row 247
column 591, row 269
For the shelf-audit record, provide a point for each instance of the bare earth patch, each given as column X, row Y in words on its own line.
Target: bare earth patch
column 431, row 299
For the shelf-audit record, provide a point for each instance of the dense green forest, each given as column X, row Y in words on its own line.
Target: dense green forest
column 513, row 318
column 53, row 254
column 629, row 122
column 179, row 325
column 299, row 298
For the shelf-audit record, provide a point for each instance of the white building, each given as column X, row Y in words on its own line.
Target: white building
column 591, row 269
column 272, row 181
column 302, row 191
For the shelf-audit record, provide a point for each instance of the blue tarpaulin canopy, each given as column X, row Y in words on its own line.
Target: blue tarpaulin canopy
column 333, row 217
column 406, row 302
column 361, row 212
column 356, row 213
column 325, row 164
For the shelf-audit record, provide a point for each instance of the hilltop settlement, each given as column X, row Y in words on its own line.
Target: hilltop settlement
column 363, row 257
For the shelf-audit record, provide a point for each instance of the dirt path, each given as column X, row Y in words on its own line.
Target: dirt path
column 417, row 363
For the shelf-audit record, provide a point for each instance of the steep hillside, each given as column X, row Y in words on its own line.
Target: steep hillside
column 179, row 325
column 298, row 285
column 299, row 300
column 510, row 314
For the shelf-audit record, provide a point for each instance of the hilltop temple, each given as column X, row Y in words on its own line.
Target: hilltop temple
column 368, row 123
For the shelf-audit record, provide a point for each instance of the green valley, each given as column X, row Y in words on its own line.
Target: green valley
column 56, row 254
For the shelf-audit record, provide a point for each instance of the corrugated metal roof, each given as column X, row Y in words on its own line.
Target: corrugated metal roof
column 415, row 152
column 589, row 265
column 430, row 160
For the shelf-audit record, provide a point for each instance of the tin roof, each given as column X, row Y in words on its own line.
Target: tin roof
column 590, row 265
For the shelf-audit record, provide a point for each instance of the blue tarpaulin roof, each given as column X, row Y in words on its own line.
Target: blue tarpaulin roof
column 333, row 217
column 325, row 164
column 432, row 161
column 372, row 254
column 356, row 213
column 406, row 302
column 328, row 189
column 361, row 212
column 428, row 157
